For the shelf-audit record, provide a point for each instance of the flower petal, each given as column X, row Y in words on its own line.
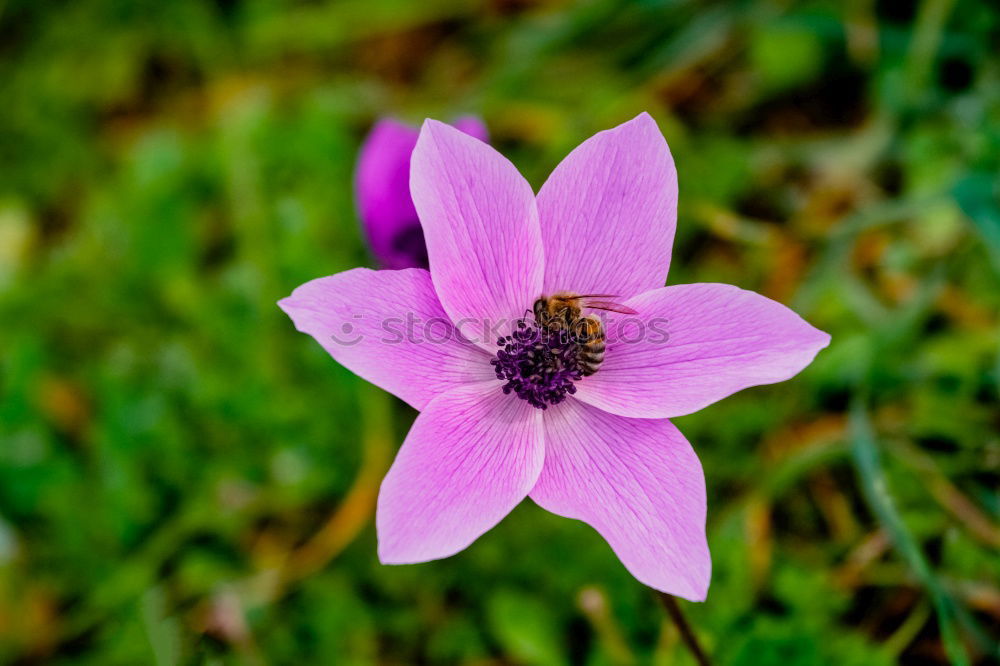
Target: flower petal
column 481, row 226
column 608, row 213
column 472, row 455
column 693, row 344
column 639, row 484
column 388, row 327
column 382, row 191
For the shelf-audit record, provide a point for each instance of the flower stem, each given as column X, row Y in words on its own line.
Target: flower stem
column 687, row 635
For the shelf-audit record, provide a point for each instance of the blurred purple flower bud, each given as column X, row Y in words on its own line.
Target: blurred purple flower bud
column 382, row 192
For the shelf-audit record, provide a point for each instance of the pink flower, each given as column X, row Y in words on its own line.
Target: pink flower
column 382, row 191
column 603, row 451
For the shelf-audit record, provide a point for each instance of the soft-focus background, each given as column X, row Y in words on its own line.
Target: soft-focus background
column 184, row 479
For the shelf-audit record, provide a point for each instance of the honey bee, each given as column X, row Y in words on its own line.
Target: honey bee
column 563, row 311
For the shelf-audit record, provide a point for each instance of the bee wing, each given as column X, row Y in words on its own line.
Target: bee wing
column 612, row 307
column 604, row 302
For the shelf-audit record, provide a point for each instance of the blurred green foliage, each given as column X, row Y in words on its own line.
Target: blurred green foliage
column 186, row 479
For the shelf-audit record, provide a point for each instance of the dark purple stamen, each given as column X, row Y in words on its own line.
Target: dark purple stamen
column 538, row 364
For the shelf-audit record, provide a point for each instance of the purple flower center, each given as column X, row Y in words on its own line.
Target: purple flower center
column 538, row 364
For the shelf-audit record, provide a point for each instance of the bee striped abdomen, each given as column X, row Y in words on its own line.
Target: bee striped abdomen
column 591, row 340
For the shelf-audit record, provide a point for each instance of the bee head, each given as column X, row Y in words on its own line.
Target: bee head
column 539, row 309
